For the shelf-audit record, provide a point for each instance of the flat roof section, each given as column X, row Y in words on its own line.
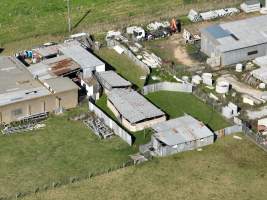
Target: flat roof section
column 181, row 130
column 80, row 55
column 110, row 79
column 60, row 84
column 16, row 83
column 133, row 106
column 47, row 51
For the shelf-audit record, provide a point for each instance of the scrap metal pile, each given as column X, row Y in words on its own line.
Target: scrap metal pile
column 128, row 42
column 98, row 127
column 26, row 124
column 8, row 130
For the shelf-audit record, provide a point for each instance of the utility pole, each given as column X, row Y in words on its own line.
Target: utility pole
column 69, row 20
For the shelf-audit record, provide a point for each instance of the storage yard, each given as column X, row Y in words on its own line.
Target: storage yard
column 180, row 87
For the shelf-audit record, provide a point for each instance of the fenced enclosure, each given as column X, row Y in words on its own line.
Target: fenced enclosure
column 110, row 123
column 168, row 86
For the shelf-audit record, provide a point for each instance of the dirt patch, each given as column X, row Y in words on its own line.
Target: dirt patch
column 180, row 52
column 182, row 56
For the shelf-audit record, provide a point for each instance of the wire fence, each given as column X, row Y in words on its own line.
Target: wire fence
column 197, row 92
column 65, row 181
column 259, row 139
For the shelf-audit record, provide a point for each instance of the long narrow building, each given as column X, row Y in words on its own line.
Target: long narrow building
column 133, row 110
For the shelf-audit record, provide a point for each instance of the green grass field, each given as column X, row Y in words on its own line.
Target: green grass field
column 26, row 23
column 62, row 150
column 175, row 104
column 229, row 169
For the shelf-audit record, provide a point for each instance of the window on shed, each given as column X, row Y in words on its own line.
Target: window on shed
column 16, row 112
column 252, row 53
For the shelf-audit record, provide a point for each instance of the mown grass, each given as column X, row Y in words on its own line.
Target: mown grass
column 229, row 169
column 124, row 66
column 63, row 149
column 176, row 104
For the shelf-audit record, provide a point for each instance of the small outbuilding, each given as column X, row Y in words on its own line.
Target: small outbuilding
column 92, row 87
column 180, row 134
column 133, row 110
column 110, row 80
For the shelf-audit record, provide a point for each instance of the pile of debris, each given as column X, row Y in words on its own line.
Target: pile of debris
column 132, row 49
column 98, row 127
column 194, row 16
column 9, row 130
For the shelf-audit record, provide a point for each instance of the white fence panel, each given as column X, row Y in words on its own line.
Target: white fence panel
column 168, row 86
column 110, row 123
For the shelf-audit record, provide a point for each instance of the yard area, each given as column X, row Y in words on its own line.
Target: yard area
column 175, row 104
column 63, row 149
column 230, row 169
column 124, row 66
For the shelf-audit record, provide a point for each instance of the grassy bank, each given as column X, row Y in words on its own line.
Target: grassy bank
column 230, row 169
column 123, row 66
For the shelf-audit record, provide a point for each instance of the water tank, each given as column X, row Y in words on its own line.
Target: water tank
column 239, row 67
column 262, row 85
column 185, row 78
column 222, row 87
column 196, row 79
column 207, row 78
column 227, row 112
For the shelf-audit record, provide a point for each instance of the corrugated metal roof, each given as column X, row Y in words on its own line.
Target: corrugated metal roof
column 243, row 33
column 53, row 67
column 80, row 55
column 111, row 79
column 181, row 130
column 133, row 106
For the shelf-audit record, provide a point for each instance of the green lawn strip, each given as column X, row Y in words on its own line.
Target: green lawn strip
column 176, row 104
